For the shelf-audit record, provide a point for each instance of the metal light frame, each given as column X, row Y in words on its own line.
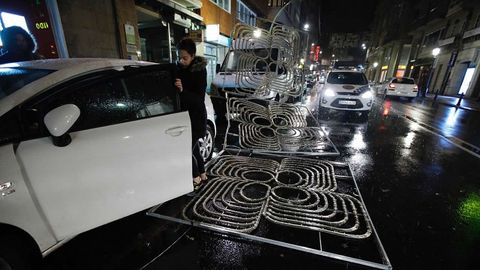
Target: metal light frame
column 274, row 128
column 225, row 205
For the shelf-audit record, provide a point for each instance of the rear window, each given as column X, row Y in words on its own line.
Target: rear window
column 12, row 79
column 403, row 80
column 347, row 78
column 263, row 57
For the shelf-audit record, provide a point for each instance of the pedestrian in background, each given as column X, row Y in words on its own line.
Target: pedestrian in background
column 18, row 45
column 191, row 82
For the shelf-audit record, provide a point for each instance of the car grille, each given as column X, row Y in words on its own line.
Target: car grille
column 348, row 93
column 336, row 103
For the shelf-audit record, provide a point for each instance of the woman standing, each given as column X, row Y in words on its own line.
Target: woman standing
column 191, row 82
column 18, row 45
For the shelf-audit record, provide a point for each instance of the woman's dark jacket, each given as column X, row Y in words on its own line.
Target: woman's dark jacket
column 192, row 98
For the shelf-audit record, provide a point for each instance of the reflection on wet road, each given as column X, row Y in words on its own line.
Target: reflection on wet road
column 422, row 191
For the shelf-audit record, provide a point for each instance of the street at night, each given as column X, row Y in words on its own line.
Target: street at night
column 420, row 189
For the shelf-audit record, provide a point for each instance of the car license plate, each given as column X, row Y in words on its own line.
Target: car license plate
column 347, row 102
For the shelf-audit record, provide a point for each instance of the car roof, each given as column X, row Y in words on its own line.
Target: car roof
column 401, row 78
column 346, row 70
column 64, row 69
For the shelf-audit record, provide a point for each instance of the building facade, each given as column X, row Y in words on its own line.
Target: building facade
column 438, row 48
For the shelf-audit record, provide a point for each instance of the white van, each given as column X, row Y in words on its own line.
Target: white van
column 233, row 77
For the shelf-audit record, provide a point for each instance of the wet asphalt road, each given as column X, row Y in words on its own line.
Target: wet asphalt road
column 422, row 192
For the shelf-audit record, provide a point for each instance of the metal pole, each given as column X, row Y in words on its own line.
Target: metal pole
column 54, row 14
column 460, row 100
column 169, row 43
column 436, row 95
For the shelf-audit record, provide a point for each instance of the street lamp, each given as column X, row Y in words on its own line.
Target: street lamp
column 375, row 64
column 257, row 33
column 306, row 26
column 435, row 53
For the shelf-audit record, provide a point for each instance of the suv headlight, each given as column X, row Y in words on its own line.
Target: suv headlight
column 367, row 94
column 329, row 93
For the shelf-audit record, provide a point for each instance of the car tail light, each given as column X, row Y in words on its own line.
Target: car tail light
column 415, row 88
column 391, row 86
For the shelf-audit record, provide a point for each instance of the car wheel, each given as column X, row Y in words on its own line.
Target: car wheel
column 410, row 99
column 206, row 144
column 14, row 255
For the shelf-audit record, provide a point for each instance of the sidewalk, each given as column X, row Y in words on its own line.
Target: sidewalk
column 466, row 103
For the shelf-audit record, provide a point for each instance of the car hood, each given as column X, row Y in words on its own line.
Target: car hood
column 345, row 88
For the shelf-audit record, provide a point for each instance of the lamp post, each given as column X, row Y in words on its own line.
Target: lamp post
column 375, row 65
column 435, row 53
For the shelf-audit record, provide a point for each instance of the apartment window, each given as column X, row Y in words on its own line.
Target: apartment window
column 477, row 22
column 245, row 14
column 277, row 3
column 224, row 4
column 432, row 38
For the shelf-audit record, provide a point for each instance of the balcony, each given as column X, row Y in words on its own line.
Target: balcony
column 446, row 41
column 471, row 33
column 189, row 4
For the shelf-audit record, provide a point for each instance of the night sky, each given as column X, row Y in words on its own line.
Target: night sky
column 336, row 16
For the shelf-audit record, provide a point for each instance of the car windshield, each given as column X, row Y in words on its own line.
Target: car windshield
column 264, row 58
column 347, row 78
column 403, row 80
column 12, row 79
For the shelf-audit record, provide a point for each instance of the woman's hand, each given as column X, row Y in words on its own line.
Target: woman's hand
column 178, row 84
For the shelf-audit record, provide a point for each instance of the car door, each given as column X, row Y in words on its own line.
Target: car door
column 130, row 149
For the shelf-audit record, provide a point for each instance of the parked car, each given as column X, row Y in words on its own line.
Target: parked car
column 84, row 142
column 399, row 87
column 346, row 90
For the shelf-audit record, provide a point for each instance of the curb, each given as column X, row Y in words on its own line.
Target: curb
column 452, row 105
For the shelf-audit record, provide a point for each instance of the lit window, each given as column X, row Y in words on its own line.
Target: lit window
column 9, row 19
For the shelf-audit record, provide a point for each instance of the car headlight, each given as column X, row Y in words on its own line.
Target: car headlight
column 329, row 93
column 367, row 94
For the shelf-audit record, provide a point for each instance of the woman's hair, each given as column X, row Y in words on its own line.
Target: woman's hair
column 188, row 45
column 8, row 36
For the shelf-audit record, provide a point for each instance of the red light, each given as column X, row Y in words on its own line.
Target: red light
column 386, row 108
column 391, row 85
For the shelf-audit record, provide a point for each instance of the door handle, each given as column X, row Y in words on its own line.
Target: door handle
column 175, row 131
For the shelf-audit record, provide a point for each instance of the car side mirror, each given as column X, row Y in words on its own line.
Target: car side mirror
column 217, row 68
column 59, row 120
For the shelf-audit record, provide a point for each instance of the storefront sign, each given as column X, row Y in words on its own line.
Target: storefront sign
column 196, row 35
column 41, row 25
column 130, row 33
column 131, row 48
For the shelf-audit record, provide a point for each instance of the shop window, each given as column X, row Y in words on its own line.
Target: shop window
column 10, row 19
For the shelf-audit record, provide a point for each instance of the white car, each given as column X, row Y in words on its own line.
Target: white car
column 346, row 90
column 399, row 87
column 84, row 142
